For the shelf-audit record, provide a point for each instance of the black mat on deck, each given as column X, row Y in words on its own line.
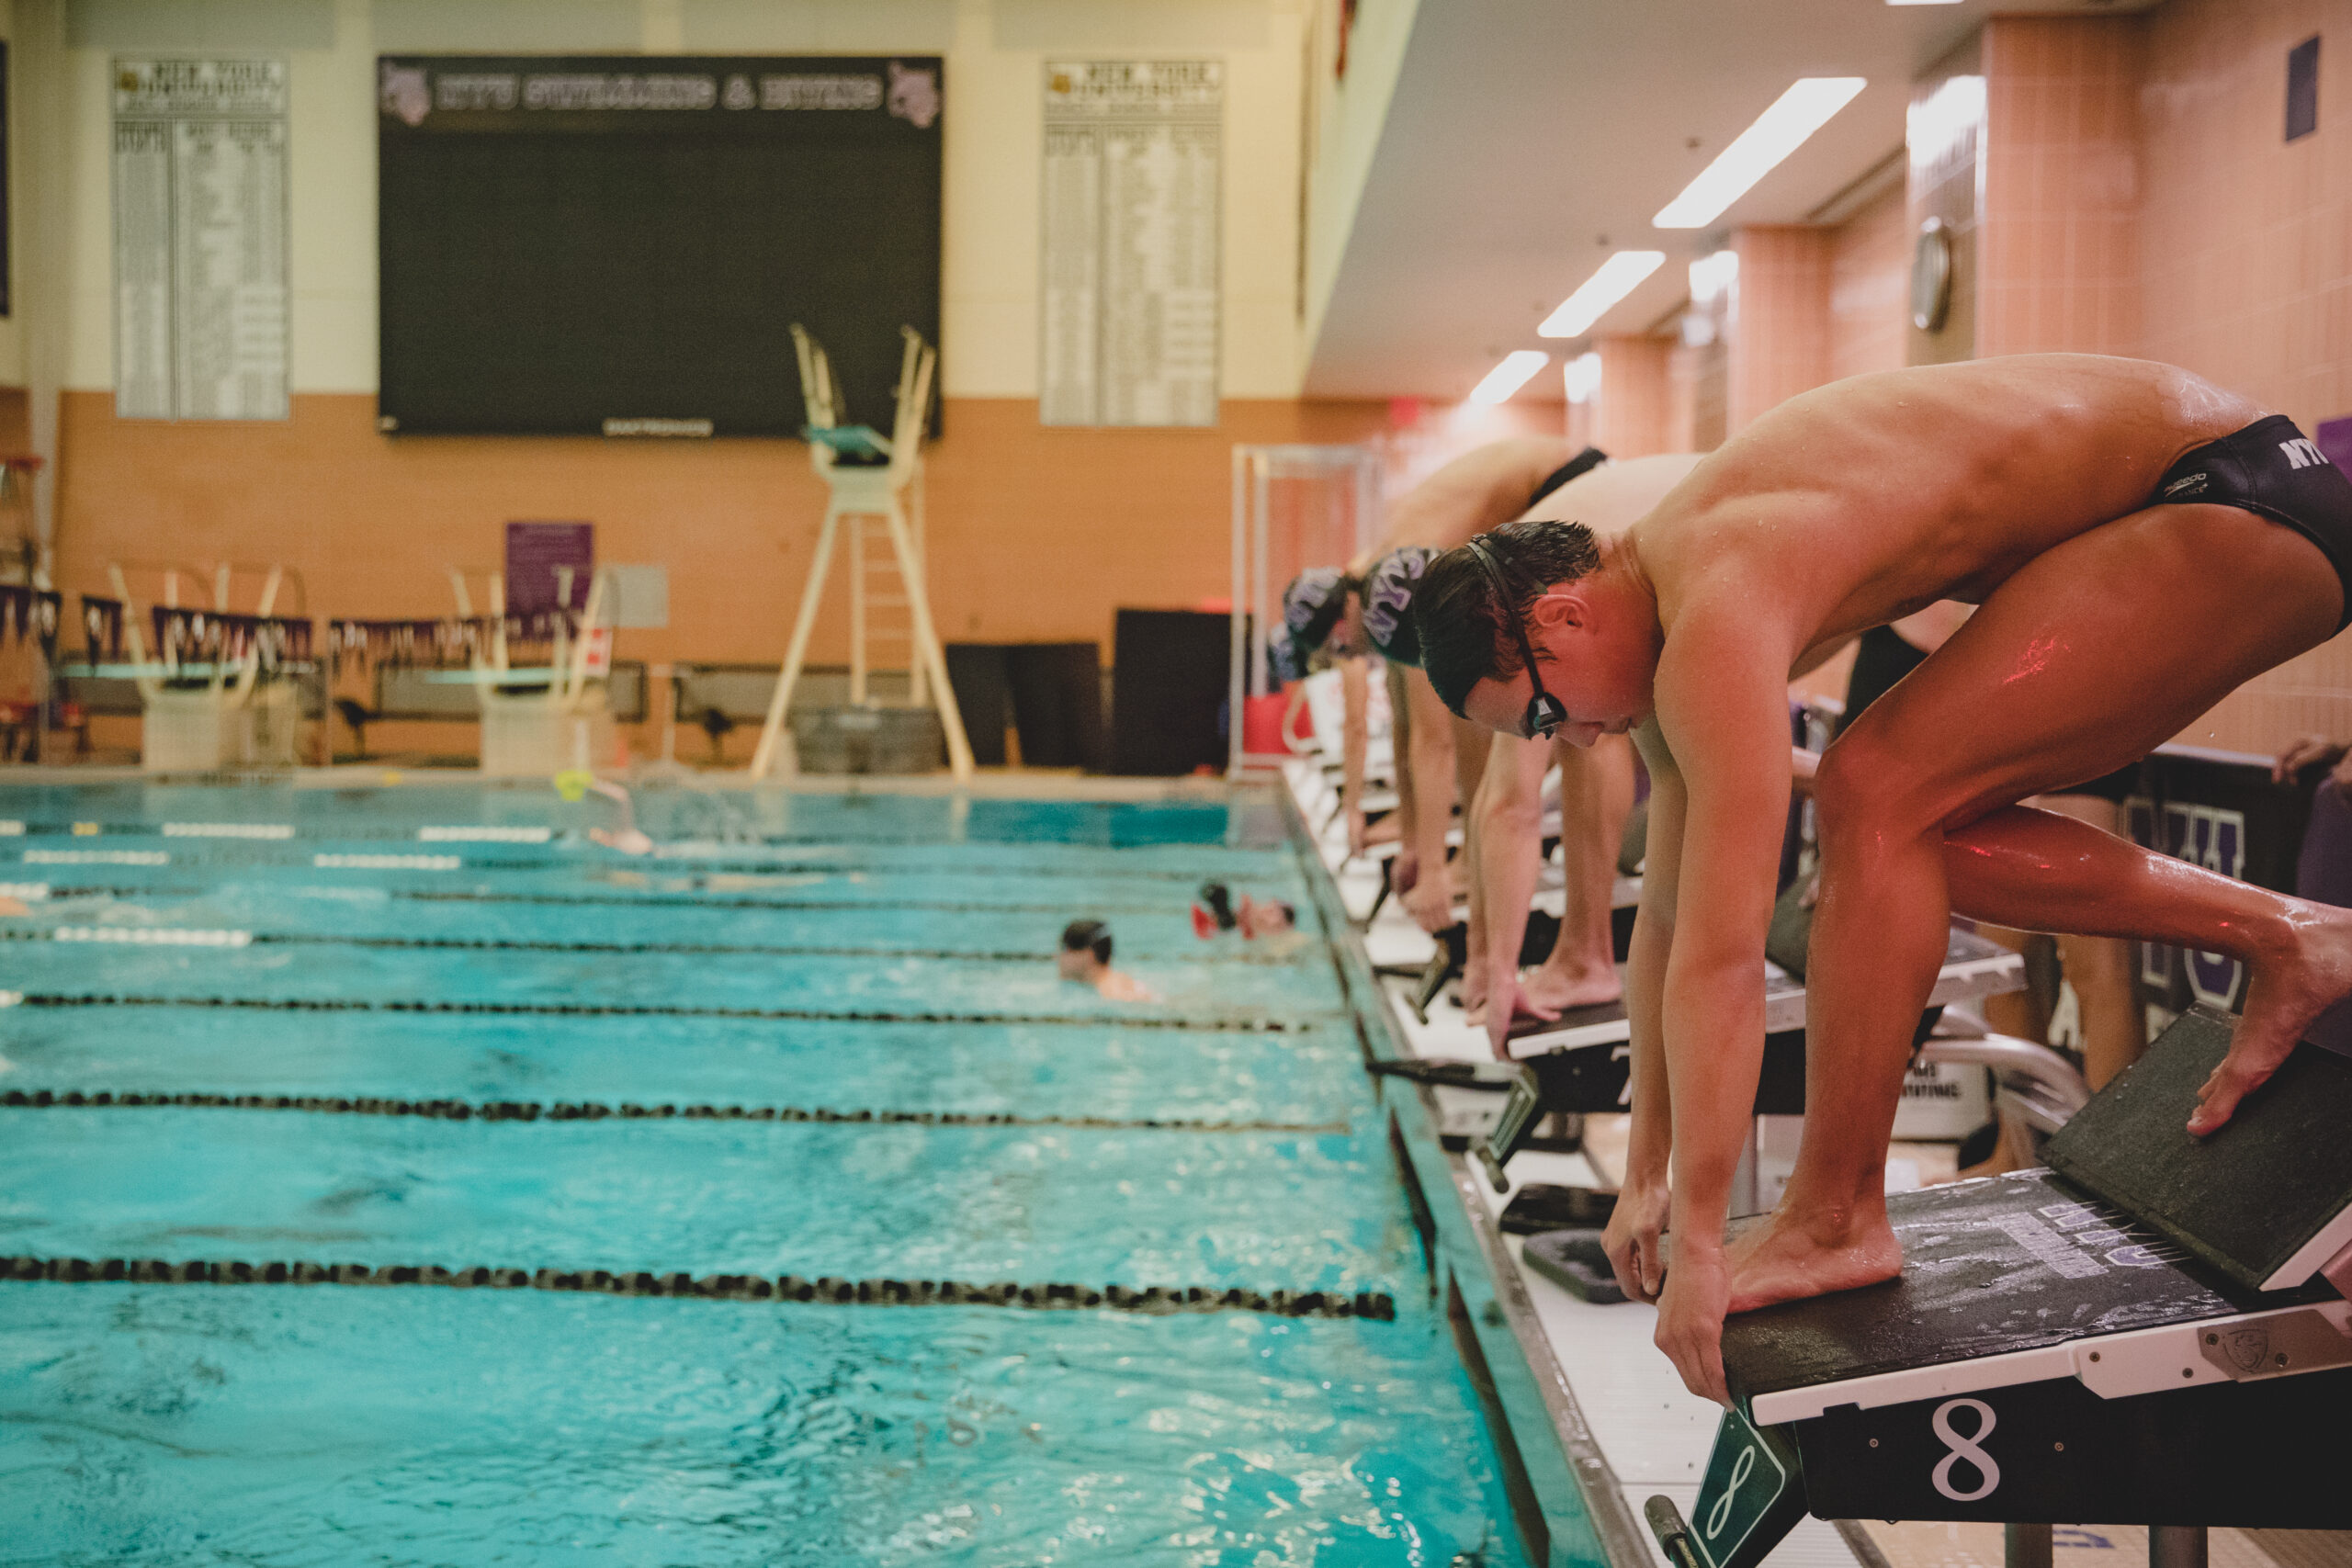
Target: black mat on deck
column 2243, row 1200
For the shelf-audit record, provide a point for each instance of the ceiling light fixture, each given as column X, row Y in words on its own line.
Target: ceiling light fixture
column 1508, row 377
column 1617, row 276
column 1795, row 114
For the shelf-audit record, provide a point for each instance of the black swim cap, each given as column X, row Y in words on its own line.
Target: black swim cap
column 1388, row 622
column 1079, row 935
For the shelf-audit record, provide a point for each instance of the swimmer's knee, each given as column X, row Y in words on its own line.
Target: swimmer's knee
column 1865, row 791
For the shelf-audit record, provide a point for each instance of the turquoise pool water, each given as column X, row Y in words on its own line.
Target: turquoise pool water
column 788, row 963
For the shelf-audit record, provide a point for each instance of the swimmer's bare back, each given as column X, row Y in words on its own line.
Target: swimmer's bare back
column 1862, row 501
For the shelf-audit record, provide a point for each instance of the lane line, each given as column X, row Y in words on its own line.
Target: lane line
column 1155, row 1300
column 587, row 1009
column 594, row 1111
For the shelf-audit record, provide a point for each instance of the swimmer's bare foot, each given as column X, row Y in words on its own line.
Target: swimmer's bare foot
column 2285, row 993
column 1556, row 989
column 13, row 907
column 1790, row 1257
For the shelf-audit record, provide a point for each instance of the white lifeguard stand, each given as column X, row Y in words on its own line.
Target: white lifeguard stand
column 225, row 713
column 1293, row 506
column 858, row 494
column 559, row 719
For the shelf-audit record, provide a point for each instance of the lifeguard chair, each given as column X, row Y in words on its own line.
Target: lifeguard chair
column 219, row 690
column 869, row 478
column 541, row 719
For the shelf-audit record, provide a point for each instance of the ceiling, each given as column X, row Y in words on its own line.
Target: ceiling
column 1528, row 139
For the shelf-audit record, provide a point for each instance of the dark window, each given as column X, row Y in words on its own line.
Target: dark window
column 2302, row 89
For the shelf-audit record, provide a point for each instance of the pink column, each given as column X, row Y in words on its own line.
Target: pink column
column 1629, row 413
column 1779, row 338
column 2059, row 245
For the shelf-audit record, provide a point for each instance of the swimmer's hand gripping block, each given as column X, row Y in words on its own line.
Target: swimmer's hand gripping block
column 2267, row 1200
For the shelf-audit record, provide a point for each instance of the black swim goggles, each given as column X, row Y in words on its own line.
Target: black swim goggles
column 1545, row 712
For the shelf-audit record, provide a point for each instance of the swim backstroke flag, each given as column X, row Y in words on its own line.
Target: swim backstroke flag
column 620, row 246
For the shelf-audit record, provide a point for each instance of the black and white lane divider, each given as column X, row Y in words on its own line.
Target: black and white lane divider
column 1155, row 1300
column 594, row 1111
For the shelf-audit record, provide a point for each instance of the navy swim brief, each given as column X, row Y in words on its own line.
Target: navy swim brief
column 2273, row 469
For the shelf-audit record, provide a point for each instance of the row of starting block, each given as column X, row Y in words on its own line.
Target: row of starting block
column 2151, row 1330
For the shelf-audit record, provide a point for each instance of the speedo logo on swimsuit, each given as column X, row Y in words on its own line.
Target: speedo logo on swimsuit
column 2303, row 453
column 2193, row 484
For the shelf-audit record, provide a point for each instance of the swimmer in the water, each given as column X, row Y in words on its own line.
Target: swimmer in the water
column 626, row 838
column 1216, row 915
column 1085, row 957
column 2138, row 543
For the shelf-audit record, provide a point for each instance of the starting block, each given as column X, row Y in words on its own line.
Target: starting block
column 2146, row 1332
column 1581, row 1063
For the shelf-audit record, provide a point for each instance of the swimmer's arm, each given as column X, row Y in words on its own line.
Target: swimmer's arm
column 1509, row 839
column 1355, row 735
column 1480, row 489
column 1430, row 899
column 1723, row 710
column 1639, row 1216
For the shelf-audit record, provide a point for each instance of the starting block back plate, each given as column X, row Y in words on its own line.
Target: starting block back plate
column 1993, row 1266
column 2267, row 1200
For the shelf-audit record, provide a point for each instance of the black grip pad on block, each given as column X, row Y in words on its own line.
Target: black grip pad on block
column 1574, row 1260
column 1990, row 1267
column 2246, row 1199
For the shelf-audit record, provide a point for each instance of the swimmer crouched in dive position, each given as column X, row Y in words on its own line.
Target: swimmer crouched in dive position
column 2139, row 544
column 1085, row 957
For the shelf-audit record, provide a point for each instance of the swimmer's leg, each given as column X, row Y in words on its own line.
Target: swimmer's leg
column 2087, row 658
column 1596, row 796
column 1470, row 745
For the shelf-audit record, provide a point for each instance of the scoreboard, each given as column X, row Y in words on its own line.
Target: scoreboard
column 620, row 246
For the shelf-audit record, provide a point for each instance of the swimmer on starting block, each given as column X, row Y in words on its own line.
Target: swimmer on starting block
column 1596, row 796
column 1085, row 957
column 2138, row 543
column 1364, row 609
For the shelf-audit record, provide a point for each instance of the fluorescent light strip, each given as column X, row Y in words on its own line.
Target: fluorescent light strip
column 1598, row 295
column 1794, row 116
column 1508, row 377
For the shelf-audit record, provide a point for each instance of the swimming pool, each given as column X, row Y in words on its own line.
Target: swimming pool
column 858, row 1235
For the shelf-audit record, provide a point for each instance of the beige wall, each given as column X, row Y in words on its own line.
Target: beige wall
column 12, row 336
column 1035, row 533
column 995, row 52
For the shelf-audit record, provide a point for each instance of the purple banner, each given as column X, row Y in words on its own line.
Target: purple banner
column 2334, row 438
column 534, row 551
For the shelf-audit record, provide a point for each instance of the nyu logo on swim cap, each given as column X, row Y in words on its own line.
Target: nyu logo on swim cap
column 1388, row 604
column 1312, row 603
